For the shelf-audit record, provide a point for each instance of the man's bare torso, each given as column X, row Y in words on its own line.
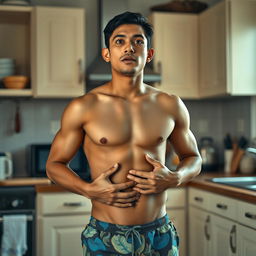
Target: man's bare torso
column 123, row 131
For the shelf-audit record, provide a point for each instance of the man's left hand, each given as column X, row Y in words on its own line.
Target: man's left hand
column 156, row 181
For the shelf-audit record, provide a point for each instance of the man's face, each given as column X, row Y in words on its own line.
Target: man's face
column 128, row 51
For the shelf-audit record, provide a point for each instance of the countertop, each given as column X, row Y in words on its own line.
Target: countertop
column 200, row 182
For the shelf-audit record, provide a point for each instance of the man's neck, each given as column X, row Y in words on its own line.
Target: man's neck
column 127, row 87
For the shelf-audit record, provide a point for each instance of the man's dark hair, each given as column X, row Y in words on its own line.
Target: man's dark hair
column 128, row 18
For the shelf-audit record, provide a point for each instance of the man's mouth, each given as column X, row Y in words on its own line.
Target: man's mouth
column 128, row 59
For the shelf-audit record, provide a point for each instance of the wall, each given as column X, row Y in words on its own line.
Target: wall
column 214, row 117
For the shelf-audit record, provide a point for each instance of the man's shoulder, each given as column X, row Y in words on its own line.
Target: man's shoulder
column 167, row 99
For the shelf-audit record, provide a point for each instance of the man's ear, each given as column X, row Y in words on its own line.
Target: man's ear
column 150, row 54
column 105, row 54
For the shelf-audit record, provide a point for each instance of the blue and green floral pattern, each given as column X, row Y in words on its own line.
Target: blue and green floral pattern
column 158, row 238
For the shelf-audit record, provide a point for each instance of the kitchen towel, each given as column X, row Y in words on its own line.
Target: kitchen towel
column 14, row 239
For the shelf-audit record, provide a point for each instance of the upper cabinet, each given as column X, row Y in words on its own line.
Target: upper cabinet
column 47, row 44
column 58, row 60
column 227, row 49
column 176, row 52
column 209, row 54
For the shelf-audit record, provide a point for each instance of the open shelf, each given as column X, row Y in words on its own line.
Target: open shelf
column 16, row 92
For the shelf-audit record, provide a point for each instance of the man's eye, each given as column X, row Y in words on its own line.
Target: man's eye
column 119, row 41
column 139, row 42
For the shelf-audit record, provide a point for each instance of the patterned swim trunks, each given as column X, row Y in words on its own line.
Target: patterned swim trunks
column 157, row 238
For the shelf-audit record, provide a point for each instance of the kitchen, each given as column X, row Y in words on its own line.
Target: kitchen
column 35, row 115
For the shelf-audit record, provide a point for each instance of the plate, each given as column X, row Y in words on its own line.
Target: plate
column 19, row 2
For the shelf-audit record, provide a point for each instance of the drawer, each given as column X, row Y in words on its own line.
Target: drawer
column 246, row 214
column 62, row 203
column 222, row 205
column 198, row 198
column 176, row 197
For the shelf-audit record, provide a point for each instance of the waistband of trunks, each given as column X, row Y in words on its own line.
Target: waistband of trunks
column 110, row 227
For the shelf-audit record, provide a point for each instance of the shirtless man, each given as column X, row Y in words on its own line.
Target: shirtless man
column 124, row 126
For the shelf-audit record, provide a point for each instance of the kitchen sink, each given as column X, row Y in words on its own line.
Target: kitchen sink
column 240, row 182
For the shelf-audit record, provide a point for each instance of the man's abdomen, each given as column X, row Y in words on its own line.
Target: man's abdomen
column 148, row 208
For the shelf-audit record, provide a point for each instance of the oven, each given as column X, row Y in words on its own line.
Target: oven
column 19, row 200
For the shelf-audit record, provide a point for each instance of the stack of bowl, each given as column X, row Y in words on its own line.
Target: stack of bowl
column 7, row 67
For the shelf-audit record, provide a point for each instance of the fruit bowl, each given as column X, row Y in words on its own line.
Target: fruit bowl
column 15, row 82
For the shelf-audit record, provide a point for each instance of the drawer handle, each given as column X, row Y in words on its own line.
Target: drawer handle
column 222, row 206
column 250, row 215
column 198, row 199
column 73, row 204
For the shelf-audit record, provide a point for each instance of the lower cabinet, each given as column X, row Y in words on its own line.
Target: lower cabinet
column 61, row 218
column 176, row 209
column 216, row 226
column 246, row 241
column 199, row 233
column 60, row 235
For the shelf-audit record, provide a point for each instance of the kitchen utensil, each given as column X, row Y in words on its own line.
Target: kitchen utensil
column 238, row 153
column 17, row 126
column 208, row 154
column 228, row 153
column 15, row 82
column 6, row 168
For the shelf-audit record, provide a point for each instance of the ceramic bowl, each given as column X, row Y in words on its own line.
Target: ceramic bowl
column 15, row 82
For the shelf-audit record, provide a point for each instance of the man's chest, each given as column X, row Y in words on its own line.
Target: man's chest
column 117, row 124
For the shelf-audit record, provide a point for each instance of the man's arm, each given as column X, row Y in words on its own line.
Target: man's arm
column 184, row 143
column 66, row 143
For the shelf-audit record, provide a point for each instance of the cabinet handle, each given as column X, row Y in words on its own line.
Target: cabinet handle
column 250, row 215
column 81, row 71
column 222, row 206
column 206, row 232
column 198, row 199
column 232, row 239
column 73, row 204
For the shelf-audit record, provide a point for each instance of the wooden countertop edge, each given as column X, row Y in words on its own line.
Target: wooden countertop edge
column 225, row 190
column 44, row 185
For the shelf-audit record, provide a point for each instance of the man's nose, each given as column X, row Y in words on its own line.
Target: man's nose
column 129, row 48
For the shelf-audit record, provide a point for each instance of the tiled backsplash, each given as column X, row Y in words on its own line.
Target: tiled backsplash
column 213, row 117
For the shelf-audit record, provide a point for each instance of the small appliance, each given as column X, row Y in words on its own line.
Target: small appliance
column 6, row 167
column 38, row 155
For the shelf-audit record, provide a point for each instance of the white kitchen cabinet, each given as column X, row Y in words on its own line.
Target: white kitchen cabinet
column 224, row 226
column 50, row 49
column 222, row 236
column 176, row 210
column 199, row 236
column 58, row 52
column 61, row 218
column 176, row 52
column 227, row 49
column 246, row 240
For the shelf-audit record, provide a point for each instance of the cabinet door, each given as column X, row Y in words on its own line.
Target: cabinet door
column 58, row 53
column 199, row 232
column 243, row 47
column 176, row 53
column 61, row 235
column 212, row 63
column 246, row 239
column 223, row 237
column 177, row 216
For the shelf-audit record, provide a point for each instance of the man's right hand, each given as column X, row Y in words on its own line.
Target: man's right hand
column 104, row 191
